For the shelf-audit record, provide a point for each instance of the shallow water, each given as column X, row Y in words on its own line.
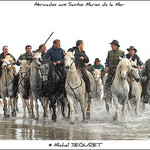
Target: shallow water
column 100, row 127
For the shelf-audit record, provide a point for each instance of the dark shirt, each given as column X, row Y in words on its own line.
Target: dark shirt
column 78, row 54
column 25, row 56
column 135, row 57
column 55, row 55
column 146, row 69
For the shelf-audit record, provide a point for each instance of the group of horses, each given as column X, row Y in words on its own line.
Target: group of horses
column 48, row 88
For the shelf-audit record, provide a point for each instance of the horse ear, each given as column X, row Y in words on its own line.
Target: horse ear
column 130, row 59
column 73, row 52
column 100, row 69
column 120, row 58
column 135, row 61
column 20, row 62
column 65, row 53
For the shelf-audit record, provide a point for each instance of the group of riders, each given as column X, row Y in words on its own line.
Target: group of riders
column 56, row 56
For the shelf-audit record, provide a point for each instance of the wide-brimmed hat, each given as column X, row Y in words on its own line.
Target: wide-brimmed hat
column 132, row 47
column 97, row 60
column 115, row 42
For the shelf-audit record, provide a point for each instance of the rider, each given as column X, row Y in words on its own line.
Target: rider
column 146, row 72
column 112, row 61
column 98, row 65
column 132, row 50
column 56, row 55
column 80, row 59
column 26, row 56
column 131, row 55
column 42, row 49
column 2, row 57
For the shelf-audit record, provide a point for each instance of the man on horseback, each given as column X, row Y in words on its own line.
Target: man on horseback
column 42, row 49
column 132, row 50
column 98, row 65
column 26, row 56
column 112, row 61
column 80, row 59
column 56, row 55
column 146, row 72
column 134, row 57
column 2, row 57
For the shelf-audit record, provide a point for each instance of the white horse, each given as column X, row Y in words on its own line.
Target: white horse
column 23, row 72
column 35, row 81
column 6, row 83
column 120, row 86
column 136, row 88
column 75, row 86
column 98, row 87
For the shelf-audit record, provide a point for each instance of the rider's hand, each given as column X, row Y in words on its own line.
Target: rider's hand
column 58, row 62
column 29, row 67
column 2, row 60
column 141, row 67
column 81, row 58
column 106, row 70
column 54, row 63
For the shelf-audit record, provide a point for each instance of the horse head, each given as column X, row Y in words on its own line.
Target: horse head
column 97, row 74
column 37, row 58
column 69, row 60
column 24, row 67
column 123, row 68
column 7, row 64
column 44, row 69
column 135, row 70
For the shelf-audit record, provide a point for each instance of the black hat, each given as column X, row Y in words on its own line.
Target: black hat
column 132, row 47
column 97, row 59
column 115, row 42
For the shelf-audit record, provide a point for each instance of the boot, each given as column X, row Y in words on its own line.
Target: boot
column 88, row 89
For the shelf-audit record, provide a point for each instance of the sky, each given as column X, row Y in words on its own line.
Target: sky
column 22, row 23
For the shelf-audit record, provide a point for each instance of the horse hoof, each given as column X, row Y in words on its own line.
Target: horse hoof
column 32, row 116
column 72, row 123
column 115, row 117
column 54, row 117
column 88, row 115
column 37, row 118
column 7, row 116
column 85, row 121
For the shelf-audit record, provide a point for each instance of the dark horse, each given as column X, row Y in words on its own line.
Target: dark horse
column 53, row 87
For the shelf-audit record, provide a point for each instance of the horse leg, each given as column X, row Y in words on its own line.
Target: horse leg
column 129, row 107
column 5, row 105
column 10, row 100
column 43, row 102
column 82, row 103
column 137, row 104
column 36, row 106
column 46, row 104
column 31, row 107
column 124, row 105
column 53, row 105
column 71, row 104
column 117, row 107
column 14, row 107
column 23, row 105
